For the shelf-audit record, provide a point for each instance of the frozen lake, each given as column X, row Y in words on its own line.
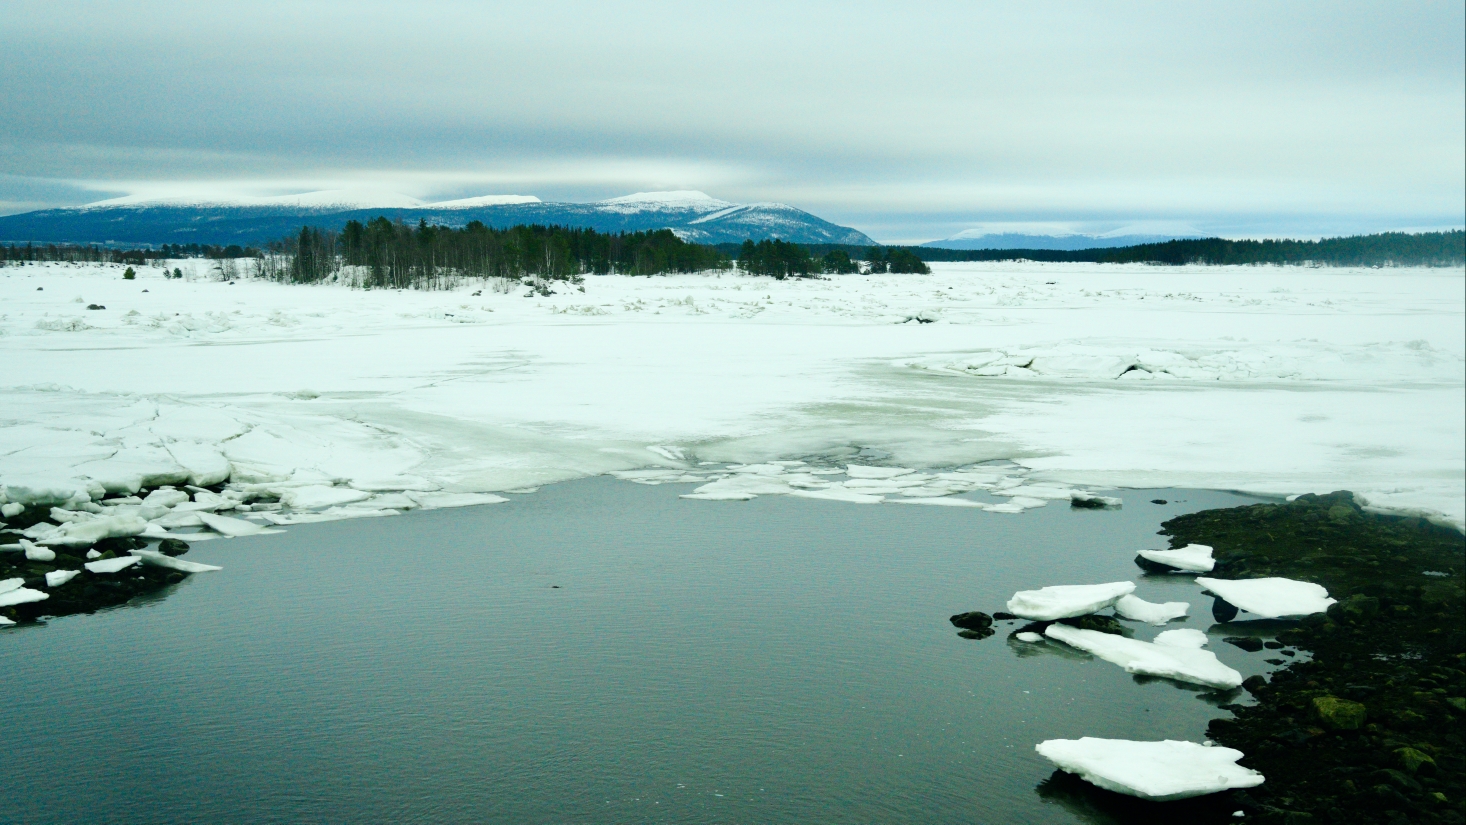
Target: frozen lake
column 596, row 652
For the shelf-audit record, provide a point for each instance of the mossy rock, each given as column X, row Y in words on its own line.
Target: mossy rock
column 1340, row 714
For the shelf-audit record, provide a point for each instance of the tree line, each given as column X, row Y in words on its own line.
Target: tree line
column 782, row 259
column 390, row 254
column 1382, row 249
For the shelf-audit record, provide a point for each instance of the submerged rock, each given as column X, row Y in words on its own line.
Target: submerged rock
column 975, row 620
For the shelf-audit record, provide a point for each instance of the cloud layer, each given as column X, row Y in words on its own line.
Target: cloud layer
column 907, row 123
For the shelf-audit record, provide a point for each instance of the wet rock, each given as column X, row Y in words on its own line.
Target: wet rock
column 1254, row 684
column 975, row 620
column 1247, row 643
column 1104, row 624
column 1158, row 501
column 172, row 547
column 1223, row 610
column 976, row 634
column 1004, row 616
column 1415, row 761
column 1340, row 714
column 1355, row 609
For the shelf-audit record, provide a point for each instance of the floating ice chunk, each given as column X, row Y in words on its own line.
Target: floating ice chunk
column 1026, row 503
column 82, row 533
column 1160, row 771
column 1199, row 667
column 1066, row 601
column 35, row 553
column 227, row 525
column 22, row 595
column 93, row 554
column 862, row 471
column 7, row 585
column 1271, row 598
column 166, row 497
column 1139, row 610
column 742, row 487
column 941, row 502
column 4, row 622
column 329, row 514
column 654, row 477
column 11, row 509
column 838, row 493
column 1181, row 637
column 111, row 565
column 433, row 501
column 1009, row 507
column 56, row 578
column 156, row 559
column 176, row 519
column 1193, row 558
column 205, row 501
column 1036, row 492
column 1028, row 636
column 769, row 468
column 319, row 497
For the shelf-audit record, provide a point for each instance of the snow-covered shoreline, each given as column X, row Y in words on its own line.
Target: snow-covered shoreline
column 1264, row 379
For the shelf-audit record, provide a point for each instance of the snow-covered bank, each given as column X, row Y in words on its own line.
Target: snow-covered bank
column 1277, row 380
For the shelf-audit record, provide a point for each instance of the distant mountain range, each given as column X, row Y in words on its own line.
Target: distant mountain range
column 1067, row 241
column 253, row 221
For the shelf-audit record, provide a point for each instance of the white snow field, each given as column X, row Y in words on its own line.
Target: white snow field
column 1161, row 771
column 1265, row 379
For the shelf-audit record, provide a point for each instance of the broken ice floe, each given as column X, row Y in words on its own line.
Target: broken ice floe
column 21, row 595
column 1270, row 598
column 1160, row 771
column 1139, row 610
column 111, row 565
column 56, row 578
column 1066, row 601
column 1193, row 558
column 156, row 559
column 1182, row 664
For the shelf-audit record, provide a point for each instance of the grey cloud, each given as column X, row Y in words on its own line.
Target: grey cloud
column 873, row 112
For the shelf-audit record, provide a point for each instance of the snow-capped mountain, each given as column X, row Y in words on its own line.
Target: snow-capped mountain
column 694, row 216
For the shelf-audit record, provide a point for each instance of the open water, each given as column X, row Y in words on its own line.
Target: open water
column 597, row 652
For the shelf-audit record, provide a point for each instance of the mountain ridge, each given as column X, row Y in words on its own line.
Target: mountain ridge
column 693, row 216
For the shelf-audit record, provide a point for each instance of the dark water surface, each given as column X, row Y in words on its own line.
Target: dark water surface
column 779, row 660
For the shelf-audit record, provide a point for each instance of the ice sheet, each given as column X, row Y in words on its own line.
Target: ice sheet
column 1168, row 661
column 1066, row 601
column 1193, row 558
column 1161, row 771
column 1271, row 598
column 1139, row 610
column 1266, row 379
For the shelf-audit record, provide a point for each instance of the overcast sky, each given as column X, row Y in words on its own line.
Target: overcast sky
column 909, row 121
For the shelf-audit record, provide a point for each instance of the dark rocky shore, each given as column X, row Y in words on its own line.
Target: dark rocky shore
column 1370, row 729
column 88, row 592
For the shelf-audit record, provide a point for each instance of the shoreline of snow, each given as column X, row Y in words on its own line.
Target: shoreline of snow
column 393, row 392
